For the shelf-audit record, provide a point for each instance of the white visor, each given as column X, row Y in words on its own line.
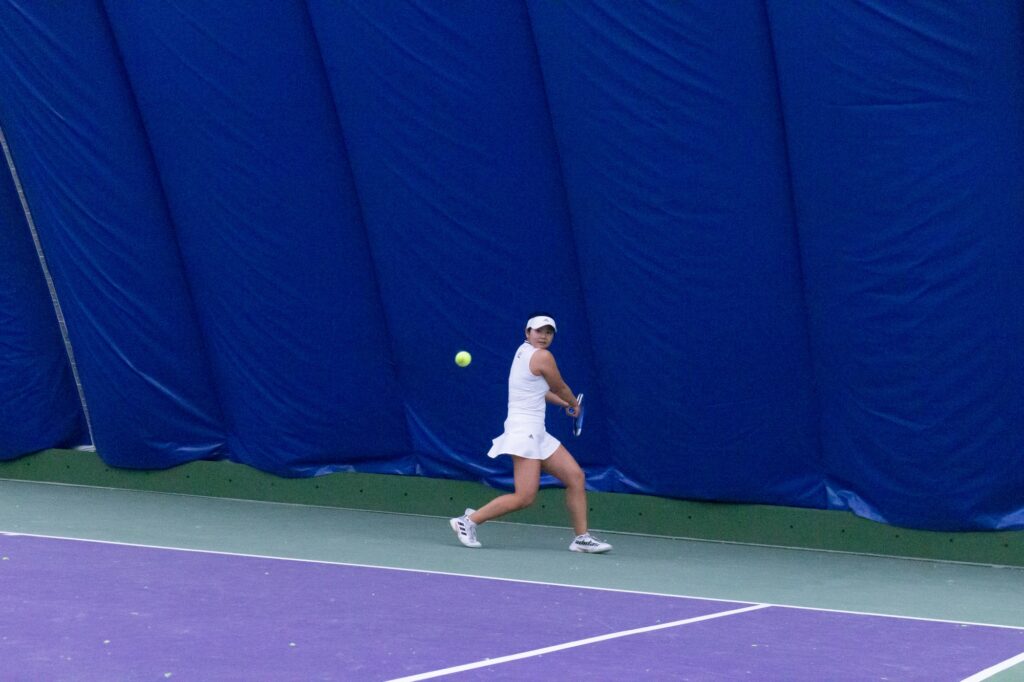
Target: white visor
column 540, row 321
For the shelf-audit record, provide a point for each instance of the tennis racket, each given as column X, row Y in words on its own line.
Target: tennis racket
column 577, row 421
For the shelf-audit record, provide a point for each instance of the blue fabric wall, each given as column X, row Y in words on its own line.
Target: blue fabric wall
column 246, row 142
column 456, row 170
column 83, row 158
column 906, row 129
column 782, row 240
column 39, row 405
column 668, row 126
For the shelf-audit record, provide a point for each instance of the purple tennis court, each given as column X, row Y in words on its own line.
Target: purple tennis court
column 84, row 610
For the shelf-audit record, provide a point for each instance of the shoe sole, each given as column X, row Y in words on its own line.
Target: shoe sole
column 454, row 523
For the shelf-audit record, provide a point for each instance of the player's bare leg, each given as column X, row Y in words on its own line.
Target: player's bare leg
column 564, row 467
column 526, row 473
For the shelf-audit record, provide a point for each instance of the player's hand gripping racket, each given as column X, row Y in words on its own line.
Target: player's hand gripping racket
column 577, row 420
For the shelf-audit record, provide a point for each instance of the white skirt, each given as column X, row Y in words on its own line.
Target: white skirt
column 525, row 440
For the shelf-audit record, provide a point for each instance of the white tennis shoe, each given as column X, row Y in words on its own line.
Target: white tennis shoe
column 589, row 544
column 465, row 530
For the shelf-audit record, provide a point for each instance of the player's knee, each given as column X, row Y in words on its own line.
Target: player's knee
column 524, row 500
column 575, row 479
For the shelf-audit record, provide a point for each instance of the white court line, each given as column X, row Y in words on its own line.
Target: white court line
column 272, row 557
column 997, row 668
column 488, row 662
column 508, row 580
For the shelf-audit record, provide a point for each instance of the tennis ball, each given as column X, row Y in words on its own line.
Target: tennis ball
column 463, row 358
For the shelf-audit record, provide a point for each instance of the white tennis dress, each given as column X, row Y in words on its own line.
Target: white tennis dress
column 525, row 434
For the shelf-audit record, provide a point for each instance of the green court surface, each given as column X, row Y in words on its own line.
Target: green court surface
column 731, row 571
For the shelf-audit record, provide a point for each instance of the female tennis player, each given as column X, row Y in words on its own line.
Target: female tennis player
column 534, row 379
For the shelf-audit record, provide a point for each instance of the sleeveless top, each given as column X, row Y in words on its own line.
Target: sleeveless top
column 526, row 391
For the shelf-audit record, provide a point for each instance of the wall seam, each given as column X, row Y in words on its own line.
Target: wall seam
column 392, row 354
column 571, row 227
column 812, row 354
column 225, row 421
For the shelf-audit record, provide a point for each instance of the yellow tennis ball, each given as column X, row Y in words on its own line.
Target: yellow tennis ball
column 463, row 358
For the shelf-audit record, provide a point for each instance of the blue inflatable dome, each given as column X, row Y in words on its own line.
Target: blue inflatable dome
column 783, row 241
